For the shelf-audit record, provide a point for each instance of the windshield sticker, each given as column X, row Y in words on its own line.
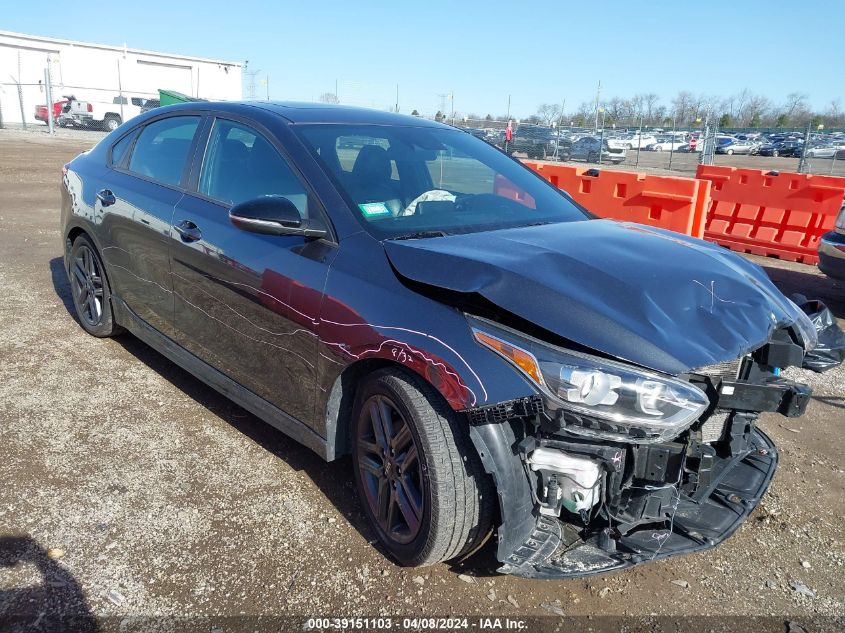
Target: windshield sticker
column 374, row 209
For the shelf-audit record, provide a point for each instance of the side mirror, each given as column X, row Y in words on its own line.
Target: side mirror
column 273, row 215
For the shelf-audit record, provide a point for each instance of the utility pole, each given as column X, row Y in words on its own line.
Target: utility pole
column 442, row 96
column 396, row 109
column 452, row 99
column 598, row 94
column 250, row 88
column 509, row 108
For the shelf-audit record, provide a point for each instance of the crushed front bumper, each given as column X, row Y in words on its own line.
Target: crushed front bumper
column 555, row 550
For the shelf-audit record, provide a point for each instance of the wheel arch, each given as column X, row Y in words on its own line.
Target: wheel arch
column 341, row 400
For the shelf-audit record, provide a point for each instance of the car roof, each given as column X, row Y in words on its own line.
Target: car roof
column 303, row 112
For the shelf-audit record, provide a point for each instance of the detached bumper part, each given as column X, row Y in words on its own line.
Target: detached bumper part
column 555, row 548
column 785, row 397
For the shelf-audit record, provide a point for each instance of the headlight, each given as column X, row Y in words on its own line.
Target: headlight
column 597, row 397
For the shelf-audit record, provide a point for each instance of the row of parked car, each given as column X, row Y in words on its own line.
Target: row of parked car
column 539, row 142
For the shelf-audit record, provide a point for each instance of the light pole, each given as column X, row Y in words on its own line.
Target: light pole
column 639, row 141
column 601, row 135
column 672, row 144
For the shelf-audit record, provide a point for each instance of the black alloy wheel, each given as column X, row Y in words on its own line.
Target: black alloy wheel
column 420, row 481
column 89, row 288
column 87, row 282
column 390, row 470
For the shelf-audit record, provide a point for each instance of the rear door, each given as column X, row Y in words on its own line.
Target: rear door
column 248, row 303
column 149, row 172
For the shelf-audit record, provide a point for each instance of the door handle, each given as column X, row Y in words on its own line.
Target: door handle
column 188, row 231
column 106, row 197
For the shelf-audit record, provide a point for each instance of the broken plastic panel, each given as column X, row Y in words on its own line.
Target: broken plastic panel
column 829, row 351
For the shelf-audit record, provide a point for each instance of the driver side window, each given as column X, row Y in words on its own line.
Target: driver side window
column 240, row 165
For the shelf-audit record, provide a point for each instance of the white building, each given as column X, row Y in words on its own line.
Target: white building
column 96, row 72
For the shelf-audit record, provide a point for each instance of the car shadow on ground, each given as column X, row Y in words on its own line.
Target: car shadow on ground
column 324, row 475
column 61, row 285
column 38, row 594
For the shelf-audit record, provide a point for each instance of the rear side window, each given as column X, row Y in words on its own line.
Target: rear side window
column 162, row 149
column 240, row 165
column 119, row 149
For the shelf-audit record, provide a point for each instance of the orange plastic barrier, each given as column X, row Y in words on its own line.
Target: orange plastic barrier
column 674, row 203
column 766, row 213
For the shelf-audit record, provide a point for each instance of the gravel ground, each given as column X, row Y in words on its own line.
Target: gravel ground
column 128, row 488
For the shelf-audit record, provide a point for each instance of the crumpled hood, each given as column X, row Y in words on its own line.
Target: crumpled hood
column 649, row 296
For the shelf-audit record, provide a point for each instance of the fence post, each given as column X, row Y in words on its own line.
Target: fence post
column 49, row 93
column 120, row 91
column 802, row 164
column 20, row 92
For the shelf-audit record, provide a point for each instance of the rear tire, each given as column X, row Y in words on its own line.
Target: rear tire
column 111, row 123
column 90, row 290
column 418, row 477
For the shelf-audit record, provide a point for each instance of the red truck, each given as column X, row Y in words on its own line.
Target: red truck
column 41, row 111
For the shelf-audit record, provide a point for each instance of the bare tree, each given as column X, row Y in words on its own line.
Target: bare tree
column 637, row 105
column 548, row 113
column 329, row 97
column 794, row 102
column 651, row 102
column 833, row 114
column 754, row 110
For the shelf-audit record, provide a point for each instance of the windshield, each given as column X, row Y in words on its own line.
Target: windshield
column 416, row 181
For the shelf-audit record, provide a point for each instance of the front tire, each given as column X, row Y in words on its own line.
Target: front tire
column 90, row 290
column 419, row 479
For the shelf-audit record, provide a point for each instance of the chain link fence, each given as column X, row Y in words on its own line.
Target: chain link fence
column 654, row 149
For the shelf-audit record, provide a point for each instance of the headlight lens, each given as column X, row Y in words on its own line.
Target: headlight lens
column 595, row 397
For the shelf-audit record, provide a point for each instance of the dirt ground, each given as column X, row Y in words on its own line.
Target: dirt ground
column 128, row 488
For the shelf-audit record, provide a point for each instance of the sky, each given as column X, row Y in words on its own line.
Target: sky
column 483, row 53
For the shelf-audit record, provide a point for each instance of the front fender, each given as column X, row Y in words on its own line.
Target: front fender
column 496, row 444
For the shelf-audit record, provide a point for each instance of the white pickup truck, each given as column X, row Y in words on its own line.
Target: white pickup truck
column 103, row 115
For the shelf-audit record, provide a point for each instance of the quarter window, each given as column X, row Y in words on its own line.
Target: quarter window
column 119, row 149
column 163, row 147
column 240, row 165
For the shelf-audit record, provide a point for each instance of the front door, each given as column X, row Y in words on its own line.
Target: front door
column 248, row 303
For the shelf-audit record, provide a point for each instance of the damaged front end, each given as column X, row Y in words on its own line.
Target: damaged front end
column 611, row 465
